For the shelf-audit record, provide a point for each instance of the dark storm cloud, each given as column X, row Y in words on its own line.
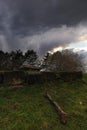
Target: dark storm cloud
column 51, row 13
column 26, row 23
column 35, row 13
column 41, row 13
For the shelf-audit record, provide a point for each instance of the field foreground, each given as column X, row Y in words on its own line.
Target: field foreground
column 28, row 109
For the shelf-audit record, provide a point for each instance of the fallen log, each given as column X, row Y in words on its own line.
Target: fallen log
column 62, row 114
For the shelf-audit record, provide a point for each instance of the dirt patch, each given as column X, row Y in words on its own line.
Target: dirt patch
column 15, row 87
column 1, row 89
column 15, row 106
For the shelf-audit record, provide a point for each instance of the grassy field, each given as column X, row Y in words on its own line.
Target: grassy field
column 28, row 109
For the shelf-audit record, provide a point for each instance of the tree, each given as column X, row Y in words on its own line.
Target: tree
column 45, row 61
column 16, row 58
column 66, row 60
column 7, row 61
column 2, row 59
column 30, row 57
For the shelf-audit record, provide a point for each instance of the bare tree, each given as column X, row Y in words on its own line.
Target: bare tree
column 66, row 60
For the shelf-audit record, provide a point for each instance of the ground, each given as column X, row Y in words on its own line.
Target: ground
column 28, row 109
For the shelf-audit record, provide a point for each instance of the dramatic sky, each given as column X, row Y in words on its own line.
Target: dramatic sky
column 43, row 25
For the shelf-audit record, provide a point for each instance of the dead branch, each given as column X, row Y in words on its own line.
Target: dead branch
column 62, row 114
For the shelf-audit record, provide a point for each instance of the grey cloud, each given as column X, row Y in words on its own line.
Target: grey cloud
column 55, row 37
column 39, row 24
column 50, row 13
column 31, row 14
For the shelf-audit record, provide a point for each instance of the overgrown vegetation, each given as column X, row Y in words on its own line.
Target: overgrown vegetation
column 28, row 109
column 65, row 60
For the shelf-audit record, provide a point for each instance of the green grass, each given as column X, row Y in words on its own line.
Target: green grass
column 28, row 109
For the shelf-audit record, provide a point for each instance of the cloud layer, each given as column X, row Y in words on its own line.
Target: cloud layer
column 41, row 24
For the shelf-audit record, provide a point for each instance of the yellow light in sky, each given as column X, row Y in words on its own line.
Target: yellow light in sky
column 57, row 49
column 83, row 38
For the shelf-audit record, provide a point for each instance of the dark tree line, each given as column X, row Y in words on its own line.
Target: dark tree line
column 66, row 60
column 14, row 59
